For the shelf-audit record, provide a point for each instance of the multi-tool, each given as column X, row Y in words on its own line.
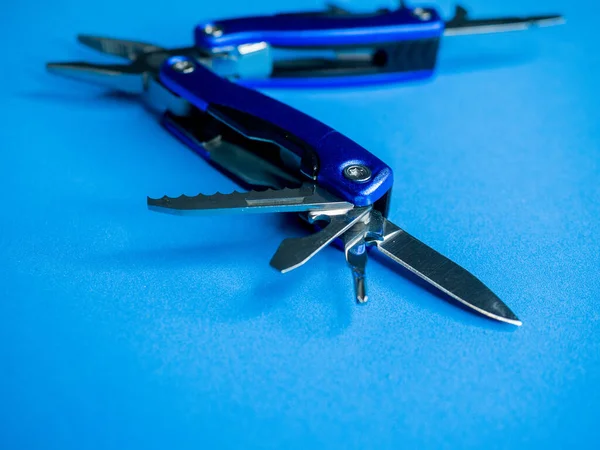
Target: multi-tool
column 285, row 159
column 334, row 47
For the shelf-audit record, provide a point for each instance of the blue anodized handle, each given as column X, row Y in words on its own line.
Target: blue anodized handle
column 410, row 40
column 336, row 154
column 297, row 31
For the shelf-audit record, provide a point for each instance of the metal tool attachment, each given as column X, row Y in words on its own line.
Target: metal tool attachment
column 355, row 250
column 306, row 198
column 294, row 252
column 145, row 60
column 140, row 76
column 461, row 23
column 358, row 229
column 442, row 273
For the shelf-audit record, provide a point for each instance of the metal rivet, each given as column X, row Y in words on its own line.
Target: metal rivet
column 183, row 66
column 213, row 30
column 422, row 14
column 358, row 173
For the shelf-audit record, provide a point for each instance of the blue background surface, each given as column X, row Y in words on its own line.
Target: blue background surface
column 120, row 328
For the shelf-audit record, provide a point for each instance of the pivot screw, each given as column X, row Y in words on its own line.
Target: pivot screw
column 213, row 30
column 421, row 14
column 358, row 173
column 183, row 66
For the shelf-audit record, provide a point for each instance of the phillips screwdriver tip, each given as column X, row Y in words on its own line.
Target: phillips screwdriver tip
column 360, row 288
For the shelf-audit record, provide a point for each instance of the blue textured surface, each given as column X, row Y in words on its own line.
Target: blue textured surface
column 120, row 328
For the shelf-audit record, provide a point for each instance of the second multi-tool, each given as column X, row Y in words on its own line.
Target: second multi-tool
column 288, row 160
column 334, row 47
column 337, row 47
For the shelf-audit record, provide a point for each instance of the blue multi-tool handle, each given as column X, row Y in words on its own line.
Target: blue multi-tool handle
column 393, row 45
column 315, row 30
column 325, row 154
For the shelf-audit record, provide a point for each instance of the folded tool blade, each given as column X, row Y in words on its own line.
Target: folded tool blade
column 308, row 197
column 294, row 252
column 461, row 23
column 442, row 273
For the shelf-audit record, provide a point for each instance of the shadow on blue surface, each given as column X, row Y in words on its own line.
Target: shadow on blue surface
column 227, row 304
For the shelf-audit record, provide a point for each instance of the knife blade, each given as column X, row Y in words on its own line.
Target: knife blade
column 442, row 273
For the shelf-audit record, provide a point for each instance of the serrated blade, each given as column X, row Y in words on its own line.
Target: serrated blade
column 305, row 198
column 442, row 273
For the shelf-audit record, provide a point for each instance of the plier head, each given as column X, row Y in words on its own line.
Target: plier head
column 145, row 61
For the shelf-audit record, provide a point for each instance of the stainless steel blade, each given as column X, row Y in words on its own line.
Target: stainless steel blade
column 306, row 198
column 461, row 24
column 293, row 252
column 442, row 273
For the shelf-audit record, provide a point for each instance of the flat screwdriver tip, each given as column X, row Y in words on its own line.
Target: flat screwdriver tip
column 360, row 289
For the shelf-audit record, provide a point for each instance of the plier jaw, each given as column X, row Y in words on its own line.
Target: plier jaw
column 140, row 74
column 143, row 59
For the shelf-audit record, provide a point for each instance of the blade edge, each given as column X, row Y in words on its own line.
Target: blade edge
column 399, row 245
